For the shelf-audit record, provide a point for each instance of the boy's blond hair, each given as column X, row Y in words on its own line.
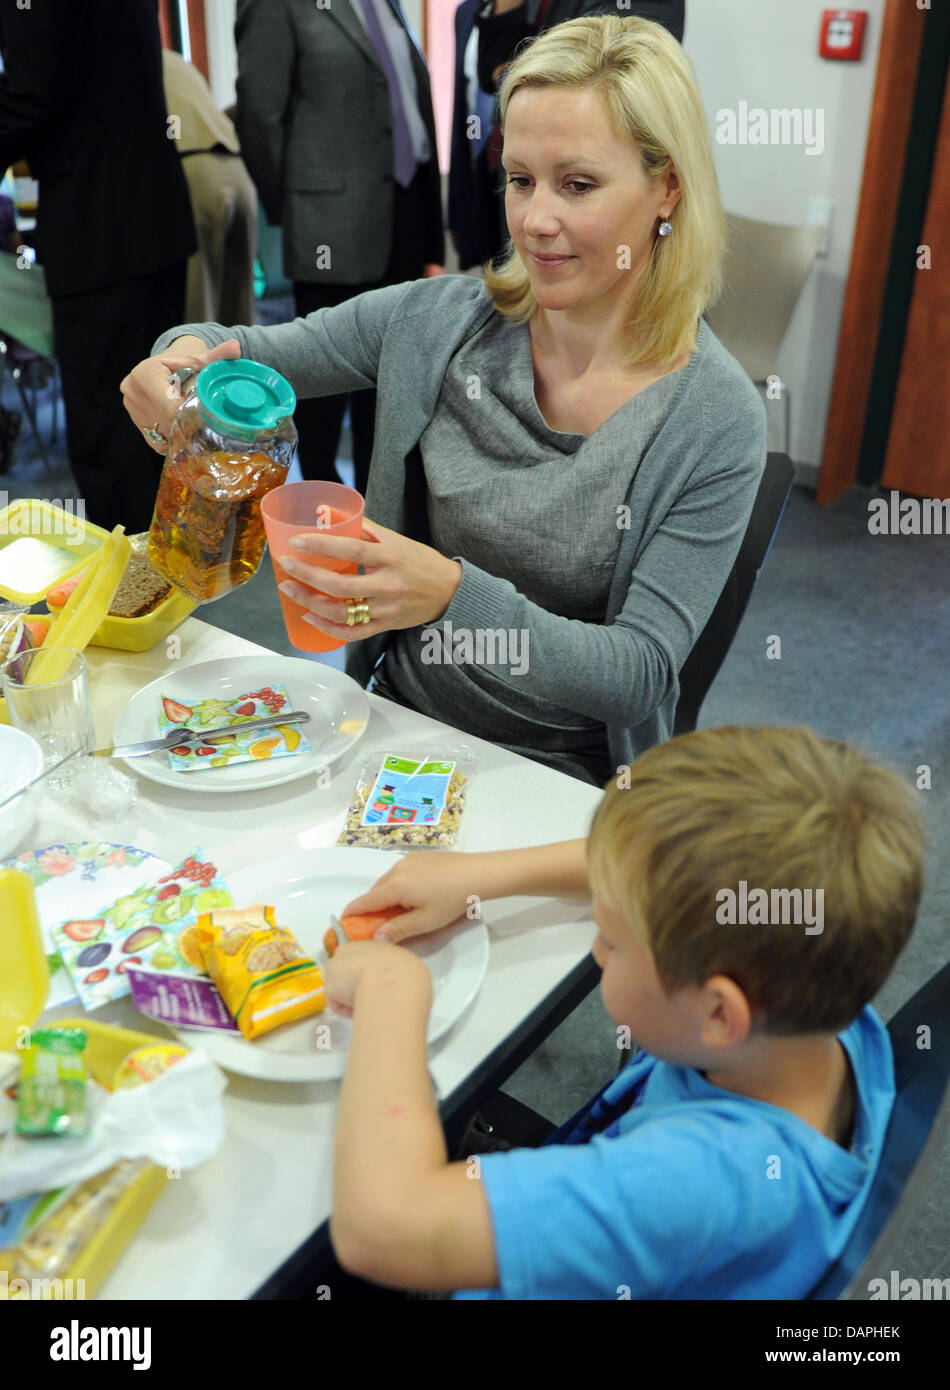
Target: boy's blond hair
column 652, row 98
column 779, row 808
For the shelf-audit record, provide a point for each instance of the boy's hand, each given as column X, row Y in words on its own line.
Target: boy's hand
column 436, row 888
column 355, row 958
column 149, row 395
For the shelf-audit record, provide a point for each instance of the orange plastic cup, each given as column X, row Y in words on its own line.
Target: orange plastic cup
column 299, row 509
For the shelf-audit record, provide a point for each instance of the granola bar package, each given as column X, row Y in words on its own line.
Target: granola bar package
column 409, row 798
column 259, row 968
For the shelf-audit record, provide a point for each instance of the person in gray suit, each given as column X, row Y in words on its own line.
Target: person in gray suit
column 334, row 115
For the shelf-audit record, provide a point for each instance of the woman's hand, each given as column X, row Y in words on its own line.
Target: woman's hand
column 152, row 398
column 405, row 584
column 436, row 888
column 355, row 958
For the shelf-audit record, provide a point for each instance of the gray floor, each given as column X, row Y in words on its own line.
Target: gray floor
column 865, row 634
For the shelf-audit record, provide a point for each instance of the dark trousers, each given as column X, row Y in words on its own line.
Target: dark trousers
column 319, row 419
column 100, row 336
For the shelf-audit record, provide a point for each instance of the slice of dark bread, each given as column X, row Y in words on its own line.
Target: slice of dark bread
column 142, row 588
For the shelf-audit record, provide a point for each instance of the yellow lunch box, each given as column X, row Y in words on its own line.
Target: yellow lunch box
column 106, row 1048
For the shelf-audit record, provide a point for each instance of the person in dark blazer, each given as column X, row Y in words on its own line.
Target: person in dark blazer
column 81, row 99
column 473, row 208
column 502, row 26
column 504, row 23
column 339, row 137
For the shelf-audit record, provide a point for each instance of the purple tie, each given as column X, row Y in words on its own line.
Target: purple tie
column 404, row 161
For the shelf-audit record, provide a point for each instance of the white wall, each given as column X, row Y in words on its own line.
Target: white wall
column 222, row 58
column 765, row 52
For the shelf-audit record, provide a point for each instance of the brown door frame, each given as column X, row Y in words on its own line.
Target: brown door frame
column 197, row 32
column 921, row 414
column 894, row 89
column 198, row 37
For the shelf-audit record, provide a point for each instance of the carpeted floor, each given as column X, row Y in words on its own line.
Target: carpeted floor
column 864, row 624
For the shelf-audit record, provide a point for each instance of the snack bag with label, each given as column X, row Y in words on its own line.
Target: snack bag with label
column 259, row 968
column 409, row 799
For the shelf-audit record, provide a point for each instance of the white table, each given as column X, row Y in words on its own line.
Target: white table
column 221, row 1231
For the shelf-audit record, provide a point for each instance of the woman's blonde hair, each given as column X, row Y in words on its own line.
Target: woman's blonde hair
column 781, row 809
column 652, row 98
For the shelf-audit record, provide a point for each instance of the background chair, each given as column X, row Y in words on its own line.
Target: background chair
column 709, row 652
column 26, row 336
column 915, row 1136
column 766, row 270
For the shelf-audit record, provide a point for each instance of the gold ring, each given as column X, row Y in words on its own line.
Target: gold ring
column 357, row 612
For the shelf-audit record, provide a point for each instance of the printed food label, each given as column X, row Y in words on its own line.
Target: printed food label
column 408, row 793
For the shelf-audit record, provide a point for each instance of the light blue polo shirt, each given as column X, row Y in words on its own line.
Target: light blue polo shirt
column 692, row 1192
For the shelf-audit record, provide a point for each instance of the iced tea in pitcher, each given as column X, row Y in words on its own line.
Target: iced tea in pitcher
column 231, row 442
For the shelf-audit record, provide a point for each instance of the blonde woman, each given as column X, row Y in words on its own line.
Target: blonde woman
column 565, row 457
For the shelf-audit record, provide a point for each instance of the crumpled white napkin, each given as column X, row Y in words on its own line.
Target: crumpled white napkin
column 177, row 1121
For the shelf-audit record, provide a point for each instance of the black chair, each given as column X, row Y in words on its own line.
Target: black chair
column 709, row 652
column 912, row 1145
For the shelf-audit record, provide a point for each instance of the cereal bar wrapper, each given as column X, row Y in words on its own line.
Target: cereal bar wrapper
column 259, row 968
column 281, row 741
column 410, row 799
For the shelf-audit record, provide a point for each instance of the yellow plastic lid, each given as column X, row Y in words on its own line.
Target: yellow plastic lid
column 24, row 972
column 83, row 611
column 42, row 545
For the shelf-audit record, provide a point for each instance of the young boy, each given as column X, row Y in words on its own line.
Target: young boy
column 732, row 1155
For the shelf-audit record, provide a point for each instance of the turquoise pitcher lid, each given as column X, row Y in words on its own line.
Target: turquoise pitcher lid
column 243, row 398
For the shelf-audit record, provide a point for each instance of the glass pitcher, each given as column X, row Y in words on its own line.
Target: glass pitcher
column 231, row 442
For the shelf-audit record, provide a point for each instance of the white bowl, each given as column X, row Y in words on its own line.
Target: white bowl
column 21, row 758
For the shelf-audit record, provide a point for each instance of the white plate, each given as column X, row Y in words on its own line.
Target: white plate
column 305, row 887
column 338, row 708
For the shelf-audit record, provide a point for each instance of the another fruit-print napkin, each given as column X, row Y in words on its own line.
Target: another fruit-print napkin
column 154, row 927
column 278, row 742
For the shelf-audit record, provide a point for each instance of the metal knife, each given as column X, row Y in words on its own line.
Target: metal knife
column 177, row 738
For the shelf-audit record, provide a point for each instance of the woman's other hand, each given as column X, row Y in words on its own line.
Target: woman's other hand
column 150, row 395
column 405, row 583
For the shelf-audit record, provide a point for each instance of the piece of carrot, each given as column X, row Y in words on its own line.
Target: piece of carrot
column 38, row 629
column 57, row 596
column 361, row 926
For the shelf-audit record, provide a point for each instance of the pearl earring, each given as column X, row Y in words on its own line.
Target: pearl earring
column 665, row 228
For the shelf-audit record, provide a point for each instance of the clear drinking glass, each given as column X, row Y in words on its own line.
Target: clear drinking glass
column 57, row 714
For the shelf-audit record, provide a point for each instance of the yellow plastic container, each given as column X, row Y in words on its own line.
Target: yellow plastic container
column 23, row 966
column 106, row 1048
column 141, row 634
column 60, row 543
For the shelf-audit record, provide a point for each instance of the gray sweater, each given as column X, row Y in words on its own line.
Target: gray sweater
column 678, row 493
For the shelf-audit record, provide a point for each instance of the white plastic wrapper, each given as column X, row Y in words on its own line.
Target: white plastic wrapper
column 177, row 1121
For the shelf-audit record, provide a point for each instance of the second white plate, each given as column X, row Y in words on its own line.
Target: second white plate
column 305, row 887
column 338, row 708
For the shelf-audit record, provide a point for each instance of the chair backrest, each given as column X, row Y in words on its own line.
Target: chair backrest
column 709, row 652
column 912, row 1144
column 766, row 269
column 26, row 312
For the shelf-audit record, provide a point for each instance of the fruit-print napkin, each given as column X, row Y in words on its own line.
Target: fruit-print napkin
column 281, row 741
column 155, row 928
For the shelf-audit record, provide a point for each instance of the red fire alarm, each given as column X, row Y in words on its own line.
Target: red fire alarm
column 842, row 33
